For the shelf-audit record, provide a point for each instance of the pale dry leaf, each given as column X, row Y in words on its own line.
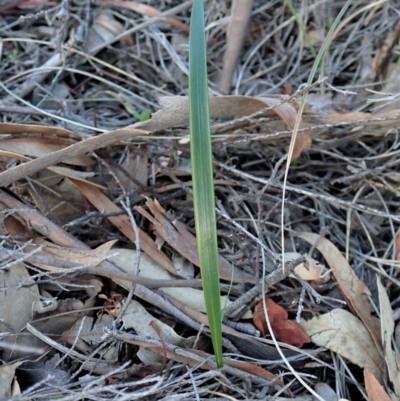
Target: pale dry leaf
column 183, row 267
column 16, row 311
column 7, row 376
column 387, row 331
column 104, row 28
column 137, row 318
column 86, row 334
column 107, row 21
column 343, row 333
column 314, row 272
column 352, row 288
column 325, row 391
column 83, row 257
column 69, row 310
column 374, row 389
column 16, row 303
column 125, row 259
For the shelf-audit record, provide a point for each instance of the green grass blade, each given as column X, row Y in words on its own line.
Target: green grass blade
column 202, row 170
column 301, row 27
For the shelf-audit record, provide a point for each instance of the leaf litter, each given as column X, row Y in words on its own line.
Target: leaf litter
column 75, row 98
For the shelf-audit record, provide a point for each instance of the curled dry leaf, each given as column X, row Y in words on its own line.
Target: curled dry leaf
column 354, row 291
column 342, row 332
column 285, row 330
column 315, row 272
column 174, row 111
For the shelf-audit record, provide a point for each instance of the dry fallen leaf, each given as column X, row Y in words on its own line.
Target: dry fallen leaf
column 125, row 259
column 286, row 331
column 174, row 111
column 352, row 288
column 103, row 29
column 374, row 389
column 39, row 146
column 343, row 333
column 387, row 330
column 86, row 334
column 137, row 318
column 314, row 272
column 7, row 376
column 147, row 10
column 122, row 222
column 184, row 242
column 16, row 307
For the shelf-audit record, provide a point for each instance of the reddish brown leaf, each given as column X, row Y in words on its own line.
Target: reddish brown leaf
column 102, row 202
column 397, row 247
column 176, row 235
column 287, row 331
column 374, row 389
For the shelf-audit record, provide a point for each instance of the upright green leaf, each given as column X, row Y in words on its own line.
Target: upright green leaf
column 203, row 183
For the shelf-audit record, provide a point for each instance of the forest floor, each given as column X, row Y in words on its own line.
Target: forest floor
column 101, row 294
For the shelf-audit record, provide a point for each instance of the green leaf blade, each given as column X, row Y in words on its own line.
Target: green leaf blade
column 202, row 169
